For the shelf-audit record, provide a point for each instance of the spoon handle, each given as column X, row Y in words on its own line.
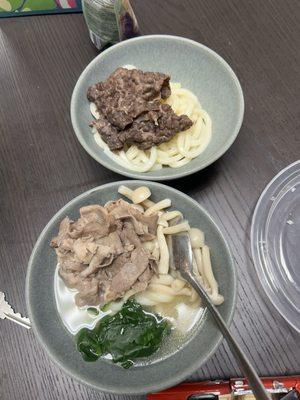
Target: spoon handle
column 254, row 381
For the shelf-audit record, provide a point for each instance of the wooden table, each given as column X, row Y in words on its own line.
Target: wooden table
column 43, row 166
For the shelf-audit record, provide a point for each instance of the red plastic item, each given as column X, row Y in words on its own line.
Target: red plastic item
column 184, row 390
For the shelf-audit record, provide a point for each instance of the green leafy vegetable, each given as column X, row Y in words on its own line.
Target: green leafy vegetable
column 127, row 335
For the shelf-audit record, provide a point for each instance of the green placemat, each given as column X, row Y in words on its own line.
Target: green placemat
column 13, row 8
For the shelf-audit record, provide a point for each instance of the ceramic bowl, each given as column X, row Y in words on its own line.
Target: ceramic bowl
column 169, row 367
column 195, row 66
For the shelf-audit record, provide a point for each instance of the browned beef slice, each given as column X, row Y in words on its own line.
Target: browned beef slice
column 124, row 110
column 155, row 127
column 108, row 132
column 124, row 95
column 95, row 91
column 148, row 85
column 149, row 129
column 130, row 110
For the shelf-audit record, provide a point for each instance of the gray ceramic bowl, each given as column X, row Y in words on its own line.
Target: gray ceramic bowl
column 103, row 375
column 197, row 67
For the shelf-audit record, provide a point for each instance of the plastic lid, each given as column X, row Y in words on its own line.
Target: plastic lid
column 275, row 242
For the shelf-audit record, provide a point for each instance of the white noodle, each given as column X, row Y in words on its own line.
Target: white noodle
column 94, row 111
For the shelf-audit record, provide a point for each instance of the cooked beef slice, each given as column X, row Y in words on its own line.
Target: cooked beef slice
column 63, row 233
column 124, row 95
column 128, row 275
column 113, row 240
column 84, row 249
column 129, row 237
column 155, row 127
column 144, row 225
column 148, row 85
column 102, row 258
column 116, row 266
column 131, row 112
column 129, row 272
column 108, row 132
column 101, row 254
column 95, row 221
column 88, row 292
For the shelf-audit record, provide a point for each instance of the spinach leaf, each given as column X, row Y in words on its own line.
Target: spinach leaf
column 129, row 334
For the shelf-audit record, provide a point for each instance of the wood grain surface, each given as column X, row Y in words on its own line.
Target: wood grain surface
column 43, row 166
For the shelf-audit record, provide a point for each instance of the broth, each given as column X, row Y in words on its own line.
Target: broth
column 184, row 319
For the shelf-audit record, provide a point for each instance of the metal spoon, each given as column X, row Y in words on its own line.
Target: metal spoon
column 182, row 259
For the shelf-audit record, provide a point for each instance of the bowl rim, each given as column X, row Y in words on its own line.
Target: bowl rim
column 155, row 176
column 177, row 378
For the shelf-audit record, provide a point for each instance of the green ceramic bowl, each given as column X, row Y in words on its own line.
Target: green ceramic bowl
column 168, row 367
column 197, row 67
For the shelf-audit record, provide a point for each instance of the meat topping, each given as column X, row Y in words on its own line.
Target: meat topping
column 101, row 254
column 131, row 112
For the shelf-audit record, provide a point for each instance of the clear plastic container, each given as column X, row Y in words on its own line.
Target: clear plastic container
column 275, row 242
